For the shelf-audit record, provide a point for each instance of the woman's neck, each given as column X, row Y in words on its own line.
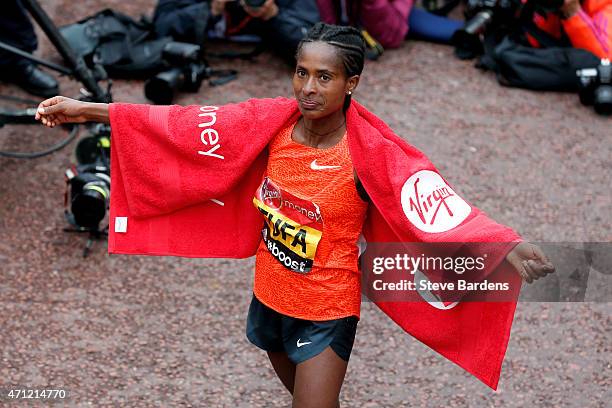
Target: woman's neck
column 322, row 133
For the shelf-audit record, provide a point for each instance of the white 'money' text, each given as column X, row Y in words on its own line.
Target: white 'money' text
column 208, row 135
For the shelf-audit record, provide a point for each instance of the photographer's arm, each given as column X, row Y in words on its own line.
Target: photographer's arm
column 59, row 110
column 286, row 25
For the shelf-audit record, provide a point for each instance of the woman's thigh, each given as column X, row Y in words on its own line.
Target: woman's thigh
column 284, row 368
column 318, row 381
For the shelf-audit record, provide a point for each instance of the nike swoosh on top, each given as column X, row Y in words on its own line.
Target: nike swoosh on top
column 315, row 166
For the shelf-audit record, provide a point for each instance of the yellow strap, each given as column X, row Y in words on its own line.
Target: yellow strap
column 104, row 142
column 371, row 41
column 99, row 190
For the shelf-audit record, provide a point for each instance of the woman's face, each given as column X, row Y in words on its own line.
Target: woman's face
column 319, row 82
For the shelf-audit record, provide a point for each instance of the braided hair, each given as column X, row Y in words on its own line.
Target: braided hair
column 349, row 44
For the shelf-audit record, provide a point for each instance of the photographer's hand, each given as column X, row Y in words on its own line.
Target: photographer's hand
column 529, row 261
column 267, row 10
column 217, row 7
column 569, row 8
column 59, row 110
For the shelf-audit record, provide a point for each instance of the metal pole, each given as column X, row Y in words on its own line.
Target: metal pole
column 40, row 61
column 81, row 71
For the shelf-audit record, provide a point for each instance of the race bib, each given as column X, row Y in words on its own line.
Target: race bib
column 293, row 227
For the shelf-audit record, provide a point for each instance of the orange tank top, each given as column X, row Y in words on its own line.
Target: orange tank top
column 307, row 262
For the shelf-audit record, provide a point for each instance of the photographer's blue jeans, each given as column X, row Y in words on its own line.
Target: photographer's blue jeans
column 430, row 27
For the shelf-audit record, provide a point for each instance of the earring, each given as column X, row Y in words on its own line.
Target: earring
column 349, row 92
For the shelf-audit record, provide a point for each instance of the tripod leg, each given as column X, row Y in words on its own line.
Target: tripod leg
column 88, row 246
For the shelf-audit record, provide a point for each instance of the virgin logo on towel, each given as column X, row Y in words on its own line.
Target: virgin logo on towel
column 430, row 204
column 428, row 296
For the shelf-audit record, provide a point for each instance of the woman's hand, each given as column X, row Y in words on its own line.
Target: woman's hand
column 59, row 110
column 530, row 262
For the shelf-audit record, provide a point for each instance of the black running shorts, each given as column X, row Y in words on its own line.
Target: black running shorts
column 300, row 339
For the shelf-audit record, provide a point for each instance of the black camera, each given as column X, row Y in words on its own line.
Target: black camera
column 596, row 87
column 440, row 7
column 88, row 183
column 480, row 17
column 187, row 73
column 546, row 6
column 254, row 3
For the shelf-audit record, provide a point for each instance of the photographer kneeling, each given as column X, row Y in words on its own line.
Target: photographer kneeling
column 587, row 24
column 280, row 24
column 551, row 45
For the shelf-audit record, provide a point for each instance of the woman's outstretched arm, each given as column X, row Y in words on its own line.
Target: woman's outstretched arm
column 59, row 110
column 529, row 261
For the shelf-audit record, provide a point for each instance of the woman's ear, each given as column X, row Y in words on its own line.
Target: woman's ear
column 352, row 83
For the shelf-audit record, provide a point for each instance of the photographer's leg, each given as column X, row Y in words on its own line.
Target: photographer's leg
column 430, row 27
column 17, row 30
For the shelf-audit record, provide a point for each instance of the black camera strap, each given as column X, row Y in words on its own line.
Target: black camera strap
column 225, row 76
column 74, row 130
column 244, row 55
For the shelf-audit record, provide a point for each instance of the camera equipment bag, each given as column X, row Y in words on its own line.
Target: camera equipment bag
column 552, row 68
column 123, row 46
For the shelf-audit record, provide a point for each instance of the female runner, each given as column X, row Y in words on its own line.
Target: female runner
column 305, row 317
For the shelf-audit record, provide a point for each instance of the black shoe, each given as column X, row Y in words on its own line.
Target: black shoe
column 33, row 80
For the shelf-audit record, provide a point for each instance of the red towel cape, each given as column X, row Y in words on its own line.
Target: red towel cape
column 183, row 180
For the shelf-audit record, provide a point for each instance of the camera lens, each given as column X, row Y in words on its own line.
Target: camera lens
column 91, row 148
column 162, row 88
column 89, row 207
column 602, row 100
column 479, row 23
column 254, row 3
column 467, row 41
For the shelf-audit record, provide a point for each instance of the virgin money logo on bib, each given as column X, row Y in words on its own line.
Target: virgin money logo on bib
column 430, row 204
column 271, row 194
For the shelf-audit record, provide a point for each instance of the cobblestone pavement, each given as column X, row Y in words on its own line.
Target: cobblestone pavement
column 143, row 331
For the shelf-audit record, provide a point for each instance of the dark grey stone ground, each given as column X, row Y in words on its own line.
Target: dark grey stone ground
column 143, row 331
